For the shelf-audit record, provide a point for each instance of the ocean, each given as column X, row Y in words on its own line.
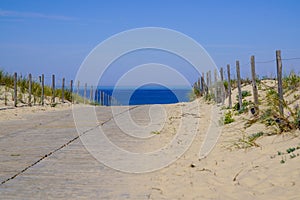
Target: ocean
column 145, row 95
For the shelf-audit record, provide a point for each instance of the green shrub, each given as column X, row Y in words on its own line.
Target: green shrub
column 245, row 93
column 228, row 118
column 209, row 97
column 244, row 108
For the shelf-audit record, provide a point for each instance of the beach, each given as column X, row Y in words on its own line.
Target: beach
column 150, row 100
column 42, row 156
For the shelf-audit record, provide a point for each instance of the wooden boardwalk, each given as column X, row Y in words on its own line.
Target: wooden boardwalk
column 42, row 157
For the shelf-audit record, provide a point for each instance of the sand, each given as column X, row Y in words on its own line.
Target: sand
column 9, row 112
column 226, row 173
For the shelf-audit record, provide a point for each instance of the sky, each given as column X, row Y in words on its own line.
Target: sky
column 54, row 37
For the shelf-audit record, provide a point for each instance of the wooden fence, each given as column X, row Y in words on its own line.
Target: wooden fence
column 207, row 88
column 205, row 85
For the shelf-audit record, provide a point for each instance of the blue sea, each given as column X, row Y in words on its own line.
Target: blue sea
column 144, row 95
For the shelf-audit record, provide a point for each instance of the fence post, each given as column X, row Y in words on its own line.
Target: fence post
column 222, row 74
column 15, row 89
column 216, row 87
column 199, row 87
column 255, row 92
column 96, row 95
column 29, row 89
column 53, row 88
column 71, row 90
column 238, row 74
column 203, row 85
column 63, row 91
column 43, row 89
column 209, row 78
column 216, row 76
column 91, row 94
column 223, row 96
column 279, row 80
column 229, row 87
column 78, row 85
column 102, row 98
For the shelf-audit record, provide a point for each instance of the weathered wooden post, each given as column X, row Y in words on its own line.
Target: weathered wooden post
column 279, row 80
column 216, row 87
column 222, row 74
column 91, row 94
column 215, row 76
column 78, row 87
column 29, row 89
column 15, row 89
column 63, row 91
column 199, row 87
column 229, row 87
column 202, row 88
column 238, row 74
column 43, row 89
column 255, row 92
column 53, row 88
column 71, row 90
column 102, row 98
column 205, row 83
column 209, row 78
column 96, row 95
column 222, row 85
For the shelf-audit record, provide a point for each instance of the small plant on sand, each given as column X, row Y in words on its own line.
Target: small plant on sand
column 53, row 105
column 225, row 83
column 245, row 93
column 272, row 118
column 209, row 97
column 248, row 141
column 196, row 91
column 155, row 132
column 282, row 161
column 192, row 96
column 243, row 109
column 228, row 118
column 20, row 97
column 291, row 82
column 290, row 152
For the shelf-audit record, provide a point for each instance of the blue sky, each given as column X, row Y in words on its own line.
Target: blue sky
column 55, row 36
